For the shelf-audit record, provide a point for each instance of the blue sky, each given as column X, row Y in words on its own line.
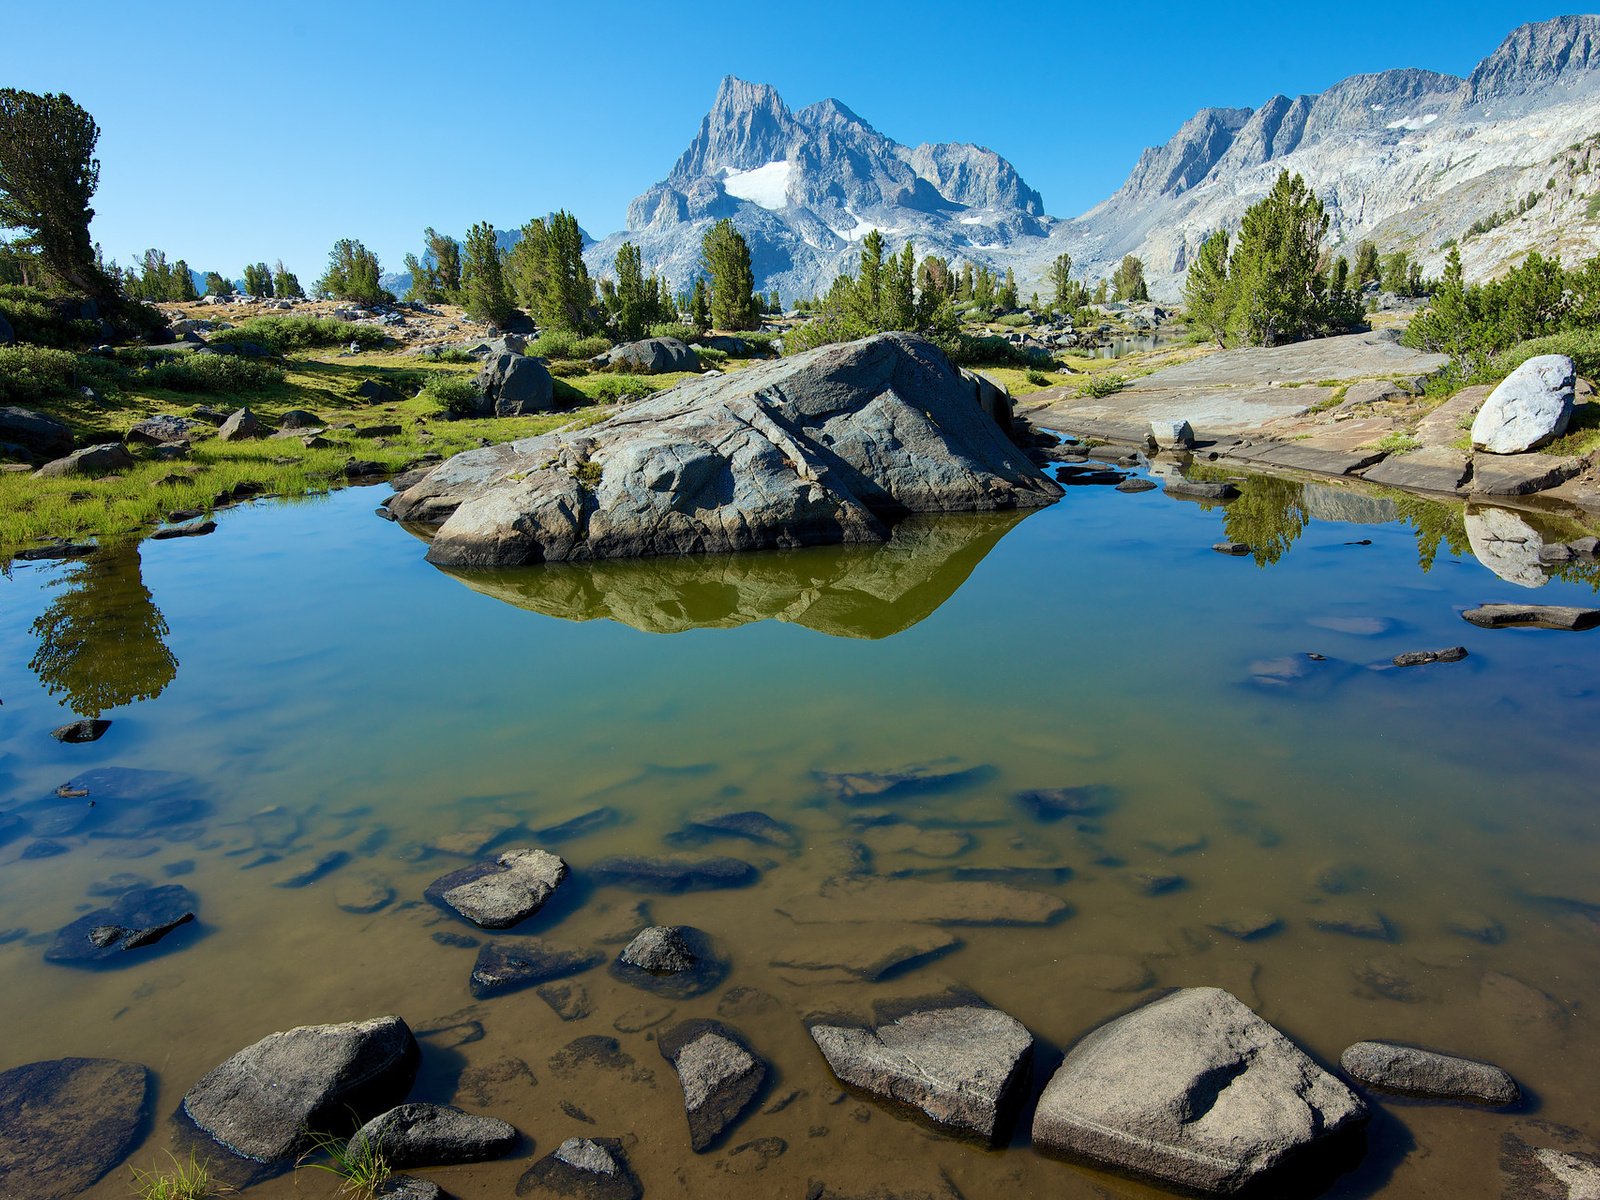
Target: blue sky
column 235, row 132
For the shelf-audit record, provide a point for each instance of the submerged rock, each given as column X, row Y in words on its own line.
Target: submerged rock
column 868, row 951
column 719, row 1073
column 752, row 826
column 1193, row 1091
column 1413, row 1071
column 511, row 964
column 66, row 1122
column 138, row 918
column 865, row 898
column 81, row 731
column 879, row 787
column 434, row 1135
column 961, row 1068
column 582, row 1169
column 672, row 875
column 269, row 1100
column 1052, row 804
column 499, row 894
column 1421, row 658
column 829, row 446
column 673, row 960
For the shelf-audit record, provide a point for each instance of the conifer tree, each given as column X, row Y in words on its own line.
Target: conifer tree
column 183, row 282
column 216, row 285
column 548, row 276
column 286, row 284
column 632, row 306
column 1006, row 297
column 1205, row 289
column 1128, row 279
column 352, row 274
column 1368, row 268
column 726, row 259
column 700, row 306
column 483, row 283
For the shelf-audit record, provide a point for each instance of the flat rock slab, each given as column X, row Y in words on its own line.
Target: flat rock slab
column 269, row 1100
column 860, row 898
column 1216, row 491
column 1192, row 1091
column 1347, row 357
column 673, row 874
column 1413, row 1071
column 138, row 918
column 511, row 964
column 434, row 1135
column 1307, row 456
column 719, row 1073
column 1532, row 616
column 499, row 894
column 1431, row 469
column 961, row 1068
column 582, row 1169
column 66, row 1122
column 907, row 783
column 1520, row 474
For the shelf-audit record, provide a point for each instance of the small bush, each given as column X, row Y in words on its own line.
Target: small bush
column 1039, row 379
column 283, row 334
column 31, row 374
column 37, row 317
column 185, row 1181
column 992, row 351
column 674, row 329
column 568, row 367
column 1397, row 442
column 559, row 343
column 765, row 339
column 454, row 394
column 1013, row 320
column 214, row 373
column 614, row 389
column 452, row 354
column 1101, row 385
column 712, row 357
column 1582, row 346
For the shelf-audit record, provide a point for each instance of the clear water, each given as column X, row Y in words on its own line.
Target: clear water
column 326, row 689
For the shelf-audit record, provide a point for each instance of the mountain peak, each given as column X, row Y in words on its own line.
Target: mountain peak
column 748, row 126
column 1536, row 55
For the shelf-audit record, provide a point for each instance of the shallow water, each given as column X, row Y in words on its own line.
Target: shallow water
column 324, row 688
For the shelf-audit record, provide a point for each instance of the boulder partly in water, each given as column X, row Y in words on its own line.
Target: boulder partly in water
column 831, row 446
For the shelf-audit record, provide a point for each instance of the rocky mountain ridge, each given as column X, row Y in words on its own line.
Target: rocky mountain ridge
column 1413, row 155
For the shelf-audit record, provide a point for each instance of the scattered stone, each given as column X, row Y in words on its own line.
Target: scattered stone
column 82, row 731
column 672, row 875
column 719, row 1073
column 363, row 896
column 240, row 427
column 162, row 430
column 138, row 918
column 91, row 460
column 408, row 1187
column 1236, row 549
column 1540, row 1160
column 1137, row 485
column 196, row 528
column 509, row 965
column 751, row 826
column 1052, row 804
column 1171, row 435
column 674, row 960
column 1531, row 616
column 867, row 951
column 1193, row 1091
column 582, row 1169
column 1413, row 1071
column 962, row 1068
column 65, row 1123
column 299, row 418
column 43, row 437
column 1194, row 489
column 1249, row 927
column 270, row 1100
column 434, row 1135
column 1530, row 407
column 499, row 894
column 1420, row 658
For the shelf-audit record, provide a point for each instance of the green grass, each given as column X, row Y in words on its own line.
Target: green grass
column 1592, row 209
column 1582, row 435
column 1103, row 384
column 1396, row 442
column 282, row 335
column 1333, row 401
column 189, row 1180
column 359, row 1164
column 559, row 344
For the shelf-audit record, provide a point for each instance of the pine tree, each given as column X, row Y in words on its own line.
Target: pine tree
column 898, row 304
column 1205, row 289
column 700, row 306
column 183, row 282
column 1128, row 280
column 1068, row 292
column 483, row 283
column 257, row 280
column 1368, row 268
column 286, row 284
column 216, row 285
column 548, row 276
column 1006, row 297
column 726, row 259
column 1276, row 282
column 436, row 276
column 352, row 274
column 632, row 307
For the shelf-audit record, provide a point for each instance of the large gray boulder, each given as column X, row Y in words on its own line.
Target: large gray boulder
column 270, row 1100
column 1413, row 1071
column 719, row 1073
column 1193, row 1091
column 66, row 1122
column 514, row 385
column 498, row 894
column 91, row 460
column 242, row 426
column 961, row 1068
column 1531, row 406
column 41, row 436
column 163, row 430
column 434, row 1135
column 653, row 356
column 830, row 446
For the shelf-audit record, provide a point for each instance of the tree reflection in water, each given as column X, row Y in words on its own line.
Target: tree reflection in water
column 101, row 639
column 1269, row 516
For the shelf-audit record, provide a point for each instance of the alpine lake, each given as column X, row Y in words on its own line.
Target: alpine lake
column 1355, row 850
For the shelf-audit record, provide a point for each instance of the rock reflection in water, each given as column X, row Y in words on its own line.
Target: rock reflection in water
column 1505, row 543
column 101, row 639
column 844, row 591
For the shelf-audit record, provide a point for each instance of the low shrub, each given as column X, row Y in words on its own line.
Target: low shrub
column 283, row 334
column 43, row 320
column 712, row 357
column 614, row 389
column 674, row 329
column 454, row 394
column 1582, row 346
column 1013, row 320
column 1039, row 379
column 568, row 367
column 1103, row 384
column 452, row 354
column 215, row 373
column 560, row 343
column 30, row 375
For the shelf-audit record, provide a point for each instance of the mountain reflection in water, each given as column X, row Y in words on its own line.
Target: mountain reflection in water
column 866, row 592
